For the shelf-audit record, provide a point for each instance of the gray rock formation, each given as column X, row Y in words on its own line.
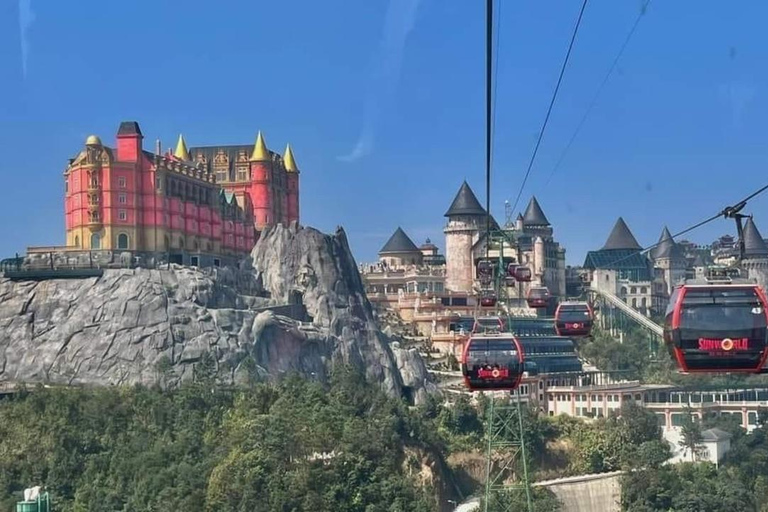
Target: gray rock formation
column 294, row 261
column 157, row 326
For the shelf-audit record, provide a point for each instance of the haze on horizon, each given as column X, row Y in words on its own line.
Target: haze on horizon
column 383, row 103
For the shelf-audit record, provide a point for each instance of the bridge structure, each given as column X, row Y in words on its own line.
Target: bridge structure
column 617, row 317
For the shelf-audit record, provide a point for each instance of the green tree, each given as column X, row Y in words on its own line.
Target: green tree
column 691, row 438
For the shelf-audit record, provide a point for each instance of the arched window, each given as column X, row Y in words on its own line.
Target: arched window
column 166, row 242
column 643, row 290
column 122, row 241
column 633, row 290
column 77, row 241
column 634, row 302
column 644, row 302
column 181, row 242
column 95, row 241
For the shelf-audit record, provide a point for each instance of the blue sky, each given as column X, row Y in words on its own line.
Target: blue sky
column 383, row 103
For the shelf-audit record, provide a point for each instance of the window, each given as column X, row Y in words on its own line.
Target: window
column 158, row 182
column 122, row 241
column 122, row 215
column 77, row 241
column 122, row 198
column 66, row 186
column 95, row 241
column 216, row 262
column 166, row 242
column 121, row 182
column 194, row 261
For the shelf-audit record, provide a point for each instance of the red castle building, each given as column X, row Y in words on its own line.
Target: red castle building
column 198, row 206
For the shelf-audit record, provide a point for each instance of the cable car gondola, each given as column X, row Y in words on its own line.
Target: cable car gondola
column 718, row 327
column 538, row 297
column 519, row 272
column 573, row 319
column 488, row 299
column 492, row 362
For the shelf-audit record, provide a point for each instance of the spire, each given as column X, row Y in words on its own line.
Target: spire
column 621, row 238
column 465, row 203
column 289, row 161
column 181, row 150
column 399, row 242
column 754, row 245
column 534, row 216
column 260, row 151
column 666, row 247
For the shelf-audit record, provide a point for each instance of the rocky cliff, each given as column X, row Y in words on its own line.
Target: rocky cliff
column 156, row 326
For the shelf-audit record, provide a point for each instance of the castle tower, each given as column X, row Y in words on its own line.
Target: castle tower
column 465, row 218
column 669, row 257
column 519, row 222
column 538, row 259
column 535, row 221
column 260, row 164
column 292, row 183
column 129, row 142
column 400, row 251
column 755, row 260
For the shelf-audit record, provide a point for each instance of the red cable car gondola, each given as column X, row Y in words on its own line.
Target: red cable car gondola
column 718, row 327
column 519, row 272
column 492, row 362
column 538, row 297
column 488, row 299
column 573, row 319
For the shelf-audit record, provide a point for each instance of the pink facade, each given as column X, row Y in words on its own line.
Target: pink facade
column 127, row 198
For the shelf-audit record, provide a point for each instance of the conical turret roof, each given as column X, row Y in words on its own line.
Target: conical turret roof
column 534, row 216
column 666, row 247
column 698, row 261
column 260, row 151
column 399, row 242
column 621, row 237
column 754, row 245
column 465, row 203
column 181, row 149
column 289, row 161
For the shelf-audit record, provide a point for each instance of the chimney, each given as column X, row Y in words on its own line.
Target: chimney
column 158, row 147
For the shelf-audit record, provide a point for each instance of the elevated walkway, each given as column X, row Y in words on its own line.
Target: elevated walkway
column 629, row 311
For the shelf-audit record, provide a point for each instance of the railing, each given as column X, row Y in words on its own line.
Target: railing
column 629, row 311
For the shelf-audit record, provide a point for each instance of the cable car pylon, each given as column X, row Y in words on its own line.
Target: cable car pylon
column 505, row 457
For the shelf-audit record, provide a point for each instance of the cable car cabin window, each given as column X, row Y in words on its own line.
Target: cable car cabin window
column 572, row 314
